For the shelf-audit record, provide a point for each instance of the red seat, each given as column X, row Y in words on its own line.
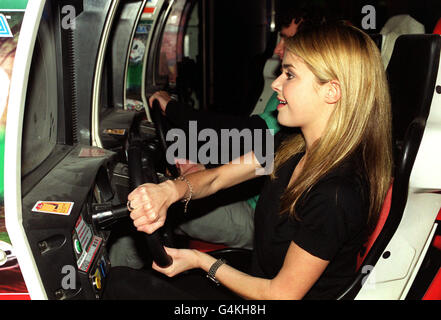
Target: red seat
column 434, row 291
column 205, row 246
column 381, row 220
column 437, row 29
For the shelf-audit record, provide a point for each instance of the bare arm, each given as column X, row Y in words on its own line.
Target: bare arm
column 298, row 274
column 210, row 181
column 151, row 201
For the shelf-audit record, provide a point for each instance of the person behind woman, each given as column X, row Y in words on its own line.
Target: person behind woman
column 328, row 183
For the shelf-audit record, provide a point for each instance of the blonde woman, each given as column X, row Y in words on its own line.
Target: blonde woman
column 328, row 182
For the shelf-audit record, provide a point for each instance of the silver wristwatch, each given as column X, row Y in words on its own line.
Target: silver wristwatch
column 213, row 269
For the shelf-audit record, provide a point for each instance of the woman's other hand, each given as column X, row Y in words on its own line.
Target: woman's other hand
column 149, row 203
column 183, row 260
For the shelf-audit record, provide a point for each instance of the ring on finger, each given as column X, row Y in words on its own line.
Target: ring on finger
column 129, row 206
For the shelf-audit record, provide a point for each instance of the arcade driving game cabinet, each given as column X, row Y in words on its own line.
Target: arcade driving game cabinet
column 66, row 137
column 63, row 66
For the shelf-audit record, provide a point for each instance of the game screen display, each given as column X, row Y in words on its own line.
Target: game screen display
column 11, row 279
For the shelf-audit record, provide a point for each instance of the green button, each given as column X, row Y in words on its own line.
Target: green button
column 77, row 246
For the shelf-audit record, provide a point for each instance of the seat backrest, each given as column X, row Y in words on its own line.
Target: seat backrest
column 412, row 74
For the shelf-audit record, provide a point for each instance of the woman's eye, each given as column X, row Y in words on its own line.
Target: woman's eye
column 289, row 75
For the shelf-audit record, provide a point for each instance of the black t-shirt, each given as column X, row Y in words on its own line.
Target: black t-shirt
column 332, row 225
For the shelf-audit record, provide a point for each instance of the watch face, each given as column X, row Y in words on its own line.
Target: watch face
column 213, row 279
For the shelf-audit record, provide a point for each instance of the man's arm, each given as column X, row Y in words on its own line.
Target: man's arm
column 181, row 115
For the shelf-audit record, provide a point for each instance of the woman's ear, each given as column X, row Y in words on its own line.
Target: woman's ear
column 332, row 92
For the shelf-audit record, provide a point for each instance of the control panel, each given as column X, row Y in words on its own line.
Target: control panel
column 90, row 254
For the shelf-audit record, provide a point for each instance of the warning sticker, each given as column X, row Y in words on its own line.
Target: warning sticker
column 118, row 132
column 53, row 207
column 86, row 244
column 87, row 257
column 91, row 152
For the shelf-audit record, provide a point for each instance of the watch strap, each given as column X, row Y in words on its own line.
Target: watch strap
column 213, row 269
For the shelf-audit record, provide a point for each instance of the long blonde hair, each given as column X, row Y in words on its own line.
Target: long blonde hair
column 361, row 120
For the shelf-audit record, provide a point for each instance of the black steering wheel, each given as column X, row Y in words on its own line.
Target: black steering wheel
column 137, row 177
column 160, row 123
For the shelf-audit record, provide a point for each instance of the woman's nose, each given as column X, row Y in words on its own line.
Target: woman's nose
column 276, row 85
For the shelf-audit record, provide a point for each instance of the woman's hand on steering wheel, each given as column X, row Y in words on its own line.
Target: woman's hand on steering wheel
column 163, row 98
column 183, row 260
column 148, row 205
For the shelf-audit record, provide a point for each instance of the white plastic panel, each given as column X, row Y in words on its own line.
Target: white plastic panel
column 426, row 173
column 389, row 277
